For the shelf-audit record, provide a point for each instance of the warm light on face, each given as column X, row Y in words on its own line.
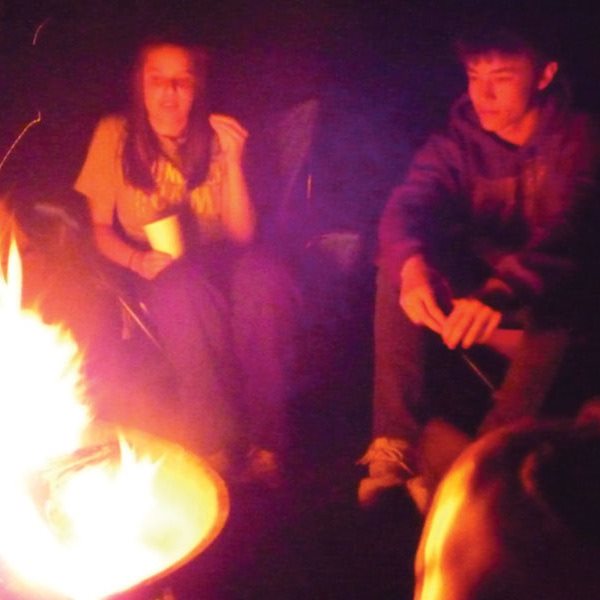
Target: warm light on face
column 458, row 548
column 502, row 88
column 443, row 517
column 169, row 86
column 501, row 525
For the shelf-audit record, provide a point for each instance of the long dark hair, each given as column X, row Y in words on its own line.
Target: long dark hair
column 142, row 148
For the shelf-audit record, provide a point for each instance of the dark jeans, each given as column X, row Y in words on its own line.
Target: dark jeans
column 403, row 359
column 227, row 321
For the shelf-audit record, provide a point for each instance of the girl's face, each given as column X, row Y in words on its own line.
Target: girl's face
column 169, row 87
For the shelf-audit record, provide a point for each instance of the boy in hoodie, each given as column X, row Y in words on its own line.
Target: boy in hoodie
column 487, row 230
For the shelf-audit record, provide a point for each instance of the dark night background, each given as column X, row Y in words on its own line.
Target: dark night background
column 384, row 76
column 384, row 66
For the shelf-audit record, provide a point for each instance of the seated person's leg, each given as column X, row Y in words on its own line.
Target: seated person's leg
column 530, row 375
column 399, row 405
column 266, row 309
column 521, row 394
column 192, row 319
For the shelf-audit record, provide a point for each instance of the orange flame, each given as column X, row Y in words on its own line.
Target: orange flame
column 42, row 412
column 74, row 522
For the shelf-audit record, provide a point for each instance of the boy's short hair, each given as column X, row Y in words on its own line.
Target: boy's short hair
column 506, row 33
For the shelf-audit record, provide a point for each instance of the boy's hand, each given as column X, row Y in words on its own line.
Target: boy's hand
column 470, row 322
column 418, row 296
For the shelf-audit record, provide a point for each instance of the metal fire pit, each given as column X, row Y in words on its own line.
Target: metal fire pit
column 197, row 487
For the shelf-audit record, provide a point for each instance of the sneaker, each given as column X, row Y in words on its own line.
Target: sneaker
column 389, row 464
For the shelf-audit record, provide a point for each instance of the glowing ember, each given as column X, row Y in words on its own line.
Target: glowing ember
column 85, row 511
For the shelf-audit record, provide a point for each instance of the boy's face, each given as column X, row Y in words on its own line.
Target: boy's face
column 502, row 88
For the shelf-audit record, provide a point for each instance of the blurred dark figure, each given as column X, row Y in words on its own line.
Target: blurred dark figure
column 489, row 230
column 517, row 517
column 224, row 310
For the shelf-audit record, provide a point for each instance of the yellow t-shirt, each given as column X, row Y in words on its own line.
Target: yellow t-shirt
column 102, row 182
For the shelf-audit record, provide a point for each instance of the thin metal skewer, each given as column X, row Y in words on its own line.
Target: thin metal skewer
column 38, row 30
column 476, row 369
column 38, row 119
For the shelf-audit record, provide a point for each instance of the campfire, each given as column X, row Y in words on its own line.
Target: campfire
column 87, row 509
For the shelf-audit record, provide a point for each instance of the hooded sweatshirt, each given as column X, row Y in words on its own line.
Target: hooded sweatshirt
column 518, row 215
